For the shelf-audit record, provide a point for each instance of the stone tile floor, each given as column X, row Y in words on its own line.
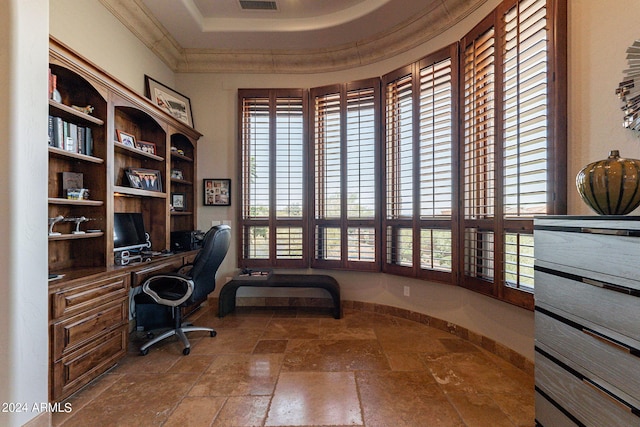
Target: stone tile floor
column 305, row 368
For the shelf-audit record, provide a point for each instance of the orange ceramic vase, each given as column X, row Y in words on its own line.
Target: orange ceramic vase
column 611, row 186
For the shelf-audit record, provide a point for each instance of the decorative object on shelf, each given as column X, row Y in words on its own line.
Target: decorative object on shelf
column 78, row 220
column 610, row 186
column 179, row 201
column 52, row 222
column 144, row 179
column 126, row 139
column 176, row 174
column 86, row 109
column 147, row 147
column 628, row 91
column 217, row 192
column 71, row 181
column 54, row 93
column 77, row 194
column 174, row 103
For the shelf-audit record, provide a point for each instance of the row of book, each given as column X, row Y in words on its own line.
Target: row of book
column 70, row 136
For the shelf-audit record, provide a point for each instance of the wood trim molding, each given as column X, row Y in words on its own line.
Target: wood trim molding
column 411, row 33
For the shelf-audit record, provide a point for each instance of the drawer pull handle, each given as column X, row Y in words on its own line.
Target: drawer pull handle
column 610, row 232
column 606, row 340
column 606, row 393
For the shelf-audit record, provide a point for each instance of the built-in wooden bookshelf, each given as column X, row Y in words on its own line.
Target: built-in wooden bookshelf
column 89, row 294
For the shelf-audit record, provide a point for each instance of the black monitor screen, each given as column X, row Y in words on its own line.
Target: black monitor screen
column 128, row 230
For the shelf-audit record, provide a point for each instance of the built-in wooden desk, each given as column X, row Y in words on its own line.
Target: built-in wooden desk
column 89, row 319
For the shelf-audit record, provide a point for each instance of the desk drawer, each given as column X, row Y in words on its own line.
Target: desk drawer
column 78, row 330
column 615, row 311
column 613, row 363
column 88, row 295
column 80, row 367
column 580, row 396
column 139, row 276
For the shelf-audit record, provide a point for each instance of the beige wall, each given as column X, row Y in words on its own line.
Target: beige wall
column 88, row 28
column 599, row 33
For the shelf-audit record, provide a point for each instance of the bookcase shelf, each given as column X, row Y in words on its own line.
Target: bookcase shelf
column 76, row 156
column 65, row 110
column 137, row 152
column 76, row 236
column 81, row 202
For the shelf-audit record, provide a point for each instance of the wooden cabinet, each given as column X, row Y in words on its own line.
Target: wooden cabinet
column 587, row 341
column 88, row 330
column 89, row 304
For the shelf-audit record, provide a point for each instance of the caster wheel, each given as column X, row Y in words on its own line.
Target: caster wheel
column 144, row 352
column 150, row 335
column 186, row 351
column 213, row 333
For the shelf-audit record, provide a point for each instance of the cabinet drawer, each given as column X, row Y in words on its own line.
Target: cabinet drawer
column 79, row 368
column 614, row 364
column 139, row 276
column 612, row 310
column 585, row 251
column 78, row 330
column 548, row 415
column 75, row 299
column 580, row 397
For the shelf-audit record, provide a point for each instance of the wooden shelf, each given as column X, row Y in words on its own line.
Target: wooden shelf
column 72, row 111
column 81, row 202
column 76, row 236
column 177, row 155
column 135, row 192
column 181, row 181
column 70, row 154
column 137, row 152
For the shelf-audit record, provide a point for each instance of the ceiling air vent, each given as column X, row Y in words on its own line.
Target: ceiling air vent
column 258, row 5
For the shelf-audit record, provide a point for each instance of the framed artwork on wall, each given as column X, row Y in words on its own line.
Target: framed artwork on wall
column 174, row 103
column 217, row 192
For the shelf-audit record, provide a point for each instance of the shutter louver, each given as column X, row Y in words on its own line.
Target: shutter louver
column 525, row 110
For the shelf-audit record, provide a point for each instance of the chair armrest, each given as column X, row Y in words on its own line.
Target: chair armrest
column 147, row 288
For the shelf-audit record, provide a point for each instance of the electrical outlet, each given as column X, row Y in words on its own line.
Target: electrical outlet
column 407, row 291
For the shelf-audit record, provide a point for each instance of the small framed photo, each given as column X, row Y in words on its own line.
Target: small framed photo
column 174, row 103
column 176, row 174
column 126, row 139
column 217, row 192
column 147, row 147
column 144, row 179
column 179, row 201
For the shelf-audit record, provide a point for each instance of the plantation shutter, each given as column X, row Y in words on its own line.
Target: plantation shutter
column 273, row 135
column 345, row 140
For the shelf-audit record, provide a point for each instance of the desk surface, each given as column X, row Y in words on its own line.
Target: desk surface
column 86, row 272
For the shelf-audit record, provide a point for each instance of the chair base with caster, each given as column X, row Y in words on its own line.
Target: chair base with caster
column 179, row 330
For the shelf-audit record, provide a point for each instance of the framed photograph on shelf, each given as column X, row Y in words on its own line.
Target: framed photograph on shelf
column 126, row 139
column 174, row 103
column 147, row 147
column 179, row 201
column 144, row 179
column 217, row 192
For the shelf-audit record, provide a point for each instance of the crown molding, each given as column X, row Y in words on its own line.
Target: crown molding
column 421, row 28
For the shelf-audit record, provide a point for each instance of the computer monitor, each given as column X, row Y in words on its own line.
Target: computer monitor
column 128, row 231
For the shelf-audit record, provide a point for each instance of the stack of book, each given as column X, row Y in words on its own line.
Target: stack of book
column 70, row 136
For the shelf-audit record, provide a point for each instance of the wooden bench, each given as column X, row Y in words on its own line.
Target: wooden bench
column 227, row 298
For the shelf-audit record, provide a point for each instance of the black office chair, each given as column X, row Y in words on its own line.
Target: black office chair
column 192, row 283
